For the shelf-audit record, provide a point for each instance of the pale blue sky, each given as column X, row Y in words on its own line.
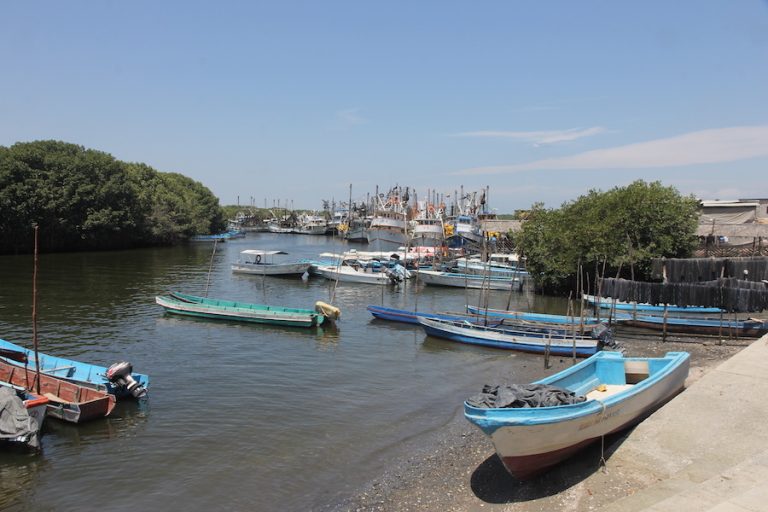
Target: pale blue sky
column 541, row 101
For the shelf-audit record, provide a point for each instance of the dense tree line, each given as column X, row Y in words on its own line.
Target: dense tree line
column 85, row 199
column 614, row 233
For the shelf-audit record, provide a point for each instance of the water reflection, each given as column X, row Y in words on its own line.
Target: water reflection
column 19, row 474
column 128, row 419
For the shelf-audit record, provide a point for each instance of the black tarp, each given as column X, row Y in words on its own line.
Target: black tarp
column 523, row 395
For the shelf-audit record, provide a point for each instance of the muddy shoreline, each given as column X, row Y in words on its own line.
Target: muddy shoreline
column 456, row 469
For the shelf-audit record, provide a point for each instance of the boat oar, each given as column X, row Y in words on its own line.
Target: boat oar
column 14, row 355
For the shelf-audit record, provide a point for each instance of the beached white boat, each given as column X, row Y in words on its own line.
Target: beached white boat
column 268, row 263
column 603, row 394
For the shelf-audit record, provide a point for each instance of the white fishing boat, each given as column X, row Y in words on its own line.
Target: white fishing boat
column 428, row 229
column 268, row 263
column 310, row 225
column 475, row 281
column 389, row 225
column 355, row 272
column 357, row 230
column 491, row 267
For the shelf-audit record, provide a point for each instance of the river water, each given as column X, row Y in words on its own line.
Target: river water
column 240, row 416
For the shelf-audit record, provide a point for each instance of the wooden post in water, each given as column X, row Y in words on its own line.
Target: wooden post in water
column 664, row 326
column 34, row 310
column 547, row 348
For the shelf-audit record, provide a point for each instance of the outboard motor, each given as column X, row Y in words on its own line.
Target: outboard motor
column 604, row 335
column 119, row 374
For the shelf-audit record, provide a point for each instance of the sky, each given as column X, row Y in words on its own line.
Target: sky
column 295, row 101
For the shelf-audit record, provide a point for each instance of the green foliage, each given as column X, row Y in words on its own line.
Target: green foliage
column 619, row 230
column 86, row 199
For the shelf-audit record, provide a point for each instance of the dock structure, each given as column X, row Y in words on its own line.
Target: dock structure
column 705, row 450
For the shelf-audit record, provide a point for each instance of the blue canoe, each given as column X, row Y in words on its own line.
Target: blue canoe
column 84, row 374
column 609, row 393
column 533, row 317
column 409, row 317
column 537, row 341
column 750, row 328
column 641, row 307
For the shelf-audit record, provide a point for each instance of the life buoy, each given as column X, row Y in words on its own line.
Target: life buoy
column 258, row 258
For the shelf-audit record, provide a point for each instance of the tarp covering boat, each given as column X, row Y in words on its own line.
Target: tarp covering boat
column 523, row 395
column 16, row 422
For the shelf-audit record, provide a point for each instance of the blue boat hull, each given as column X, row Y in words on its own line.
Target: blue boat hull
column 74, row 371
column 408, row 317
column 534, row 342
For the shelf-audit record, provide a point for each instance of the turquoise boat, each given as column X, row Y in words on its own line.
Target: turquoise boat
column 603, row 394
column 190, row 305
column 534, row 317
column 642, row 307
column 119, row 379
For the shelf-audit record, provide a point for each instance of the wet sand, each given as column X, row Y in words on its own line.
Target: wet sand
column 456, row 469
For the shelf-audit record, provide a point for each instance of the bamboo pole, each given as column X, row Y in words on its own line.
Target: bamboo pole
column 210, row 267
column 34, row 310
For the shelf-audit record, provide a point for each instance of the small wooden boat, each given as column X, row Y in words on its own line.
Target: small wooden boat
column 508, row 337
column 617, row 393
column 475, row 281
column 268, row 263
column 119, row 379
column 641, row 307
column 750, row 328
column 191, row 305
column 66, row 400
column 21, row 415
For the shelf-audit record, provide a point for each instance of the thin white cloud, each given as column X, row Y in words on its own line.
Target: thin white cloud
column 349, row 117
column 538, row 137
column 696, row 148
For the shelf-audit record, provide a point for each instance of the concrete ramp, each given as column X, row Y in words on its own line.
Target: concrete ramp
column 705, row 450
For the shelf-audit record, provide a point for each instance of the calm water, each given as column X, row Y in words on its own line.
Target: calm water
column 241, row 417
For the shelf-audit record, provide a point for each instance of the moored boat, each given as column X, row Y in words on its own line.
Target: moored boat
column 439, row 278
column 388, row 229
column 749, row 328
column 611, row 393
column 606, row 303
column 554, row 341
column 532, row 317
column 268, row 263
column 202, row 307
column 21, row 416
column 354, row 272
column 117, row 379
column 409, row 317
column 66, row 400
